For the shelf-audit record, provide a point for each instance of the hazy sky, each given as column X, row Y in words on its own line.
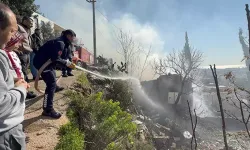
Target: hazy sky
column 212, row 25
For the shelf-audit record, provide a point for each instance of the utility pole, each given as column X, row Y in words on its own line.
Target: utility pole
column 94, row 29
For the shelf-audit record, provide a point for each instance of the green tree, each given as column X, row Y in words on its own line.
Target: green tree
column 187, row 50
column 21, row 7
column 47, row 31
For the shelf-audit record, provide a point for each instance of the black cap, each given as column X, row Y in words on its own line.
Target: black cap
column 68, row 32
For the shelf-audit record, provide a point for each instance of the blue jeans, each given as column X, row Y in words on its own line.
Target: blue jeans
column 32, row 67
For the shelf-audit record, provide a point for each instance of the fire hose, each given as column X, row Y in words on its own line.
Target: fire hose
column 39, row 74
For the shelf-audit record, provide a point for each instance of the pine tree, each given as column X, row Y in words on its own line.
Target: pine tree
column 187, row 50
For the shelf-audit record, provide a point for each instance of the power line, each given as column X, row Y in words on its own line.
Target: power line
column 108, row 19
column 110, row 28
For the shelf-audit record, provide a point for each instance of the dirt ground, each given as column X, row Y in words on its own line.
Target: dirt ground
column 42, row 132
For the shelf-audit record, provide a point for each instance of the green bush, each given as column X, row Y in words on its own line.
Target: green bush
column 83, row 80
column 106, row 126
column 121, row 91
column 111, row 123
column 71, row 138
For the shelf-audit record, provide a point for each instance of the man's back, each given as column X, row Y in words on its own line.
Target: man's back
column 48, row 51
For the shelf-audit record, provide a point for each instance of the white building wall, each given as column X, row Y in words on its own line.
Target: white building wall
column 41, row 19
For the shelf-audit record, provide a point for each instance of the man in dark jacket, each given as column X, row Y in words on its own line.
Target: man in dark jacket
column 67, row 54
column 36, row 44
column 53, row 50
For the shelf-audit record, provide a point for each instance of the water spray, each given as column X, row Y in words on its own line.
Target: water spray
column 136, row 85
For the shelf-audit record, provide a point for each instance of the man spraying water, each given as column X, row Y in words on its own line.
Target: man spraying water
column 52, row 51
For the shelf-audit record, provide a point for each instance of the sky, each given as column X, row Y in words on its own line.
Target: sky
column 212, row 25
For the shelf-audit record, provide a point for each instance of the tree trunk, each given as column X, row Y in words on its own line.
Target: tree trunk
column 221, row 107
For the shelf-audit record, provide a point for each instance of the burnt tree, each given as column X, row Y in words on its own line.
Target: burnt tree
column 214, row 73
column 184, row 63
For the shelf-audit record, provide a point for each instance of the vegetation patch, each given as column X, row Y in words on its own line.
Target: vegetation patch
column 96, row 123
column 71, row 138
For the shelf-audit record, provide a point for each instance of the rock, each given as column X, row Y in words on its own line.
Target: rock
column 40, row 147
column 138, row 122
column 173, row 145
column 162, row 142
column 177, row 139
column 187, row 135
column 40, row 133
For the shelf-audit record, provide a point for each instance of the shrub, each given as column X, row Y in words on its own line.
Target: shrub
column 121, row 91
column 105, row 124
column 102, row 121
column 82, row 79
column 71, row 138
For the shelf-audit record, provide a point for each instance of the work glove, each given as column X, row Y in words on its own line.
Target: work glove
column 70, row 64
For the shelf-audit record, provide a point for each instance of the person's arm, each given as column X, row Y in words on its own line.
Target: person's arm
column 57, row 52
column 10, row 99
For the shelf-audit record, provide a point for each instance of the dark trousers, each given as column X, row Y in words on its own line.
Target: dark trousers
column 25, row 59
column 66, row 70
column 49, row 77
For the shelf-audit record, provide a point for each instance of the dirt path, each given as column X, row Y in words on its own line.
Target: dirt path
column 42, row 132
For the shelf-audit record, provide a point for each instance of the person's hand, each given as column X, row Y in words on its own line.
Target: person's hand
column 22, row 82
column 16, row 79
column 72, row 66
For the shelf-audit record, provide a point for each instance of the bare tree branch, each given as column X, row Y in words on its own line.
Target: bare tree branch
column 177, row 62
column 214, row 73
column 131, row 52
column 143, row 68
column 242, row 114
column 193, row 126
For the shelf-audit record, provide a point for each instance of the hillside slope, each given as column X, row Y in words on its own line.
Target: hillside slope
column 42, row 132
